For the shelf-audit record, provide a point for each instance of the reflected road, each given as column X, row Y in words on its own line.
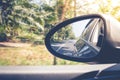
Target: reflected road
column 65, row 47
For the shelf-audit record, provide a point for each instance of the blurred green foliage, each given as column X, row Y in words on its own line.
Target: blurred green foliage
column 31, row 18
column 28, row 22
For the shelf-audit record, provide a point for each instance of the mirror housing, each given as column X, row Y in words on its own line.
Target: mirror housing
column 109, row 50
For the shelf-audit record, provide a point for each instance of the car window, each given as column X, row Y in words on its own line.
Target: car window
column 98, row 34
column 88, row 30
column 23, row 27
column 25, row 23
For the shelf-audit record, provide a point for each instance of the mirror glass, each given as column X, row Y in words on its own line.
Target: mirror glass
column 82, row 39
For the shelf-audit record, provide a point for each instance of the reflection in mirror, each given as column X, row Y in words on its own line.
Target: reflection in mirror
column 79, row 39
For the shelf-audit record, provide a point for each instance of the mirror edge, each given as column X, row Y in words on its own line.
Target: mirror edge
column 66, row 22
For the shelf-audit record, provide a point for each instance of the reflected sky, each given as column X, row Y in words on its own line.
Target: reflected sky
column 79, row 26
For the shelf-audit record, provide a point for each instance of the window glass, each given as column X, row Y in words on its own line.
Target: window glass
column 98, row 34
column 25, row 23
column 88, row 30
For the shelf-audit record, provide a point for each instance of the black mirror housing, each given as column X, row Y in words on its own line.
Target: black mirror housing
column 102, row 46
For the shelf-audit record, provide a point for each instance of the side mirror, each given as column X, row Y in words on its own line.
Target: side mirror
column 81, row 39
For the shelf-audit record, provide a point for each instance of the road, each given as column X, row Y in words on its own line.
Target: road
column 11, row 44
column 66, row 47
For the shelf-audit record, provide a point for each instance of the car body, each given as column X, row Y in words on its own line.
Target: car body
column 98, row 43
column 97, row 37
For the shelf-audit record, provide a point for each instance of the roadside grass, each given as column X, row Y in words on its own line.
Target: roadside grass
column 32, row 55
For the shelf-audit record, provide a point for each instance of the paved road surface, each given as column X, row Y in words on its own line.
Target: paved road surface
column 66, row 47
column 10, row 44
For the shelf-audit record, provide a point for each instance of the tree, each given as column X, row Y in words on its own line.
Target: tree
column 107, row 7
column 6, row 7
column 17, row 14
